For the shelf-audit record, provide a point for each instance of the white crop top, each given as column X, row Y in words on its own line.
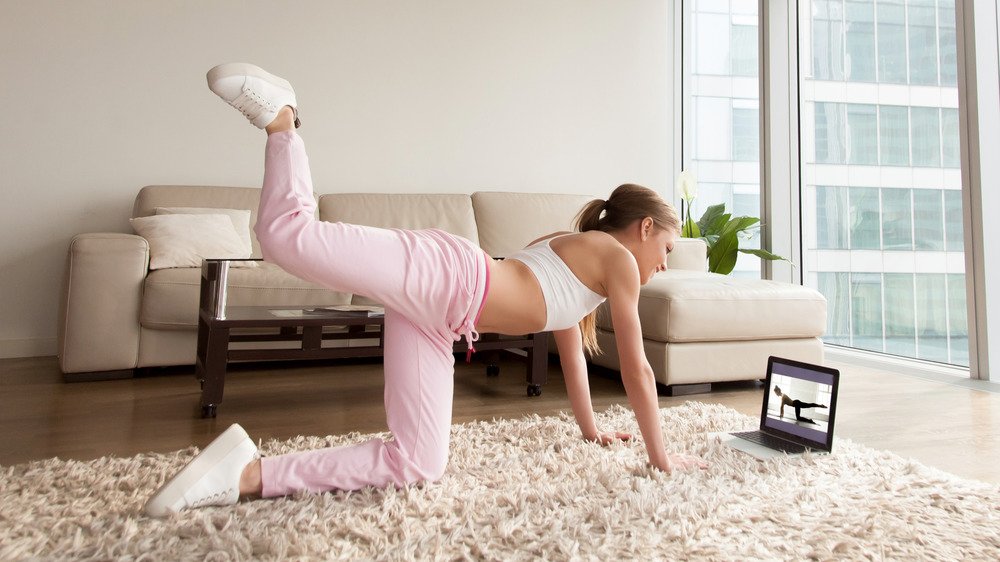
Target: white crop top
column 567, row 299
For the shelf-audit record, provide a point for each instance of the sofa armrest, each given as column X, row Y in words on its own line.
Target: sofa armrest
column 690, row 254
column 102, row 294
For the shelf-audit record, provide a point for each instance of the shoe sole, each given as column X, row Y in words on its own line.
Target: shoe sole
column 217, row 450
column 245, row 69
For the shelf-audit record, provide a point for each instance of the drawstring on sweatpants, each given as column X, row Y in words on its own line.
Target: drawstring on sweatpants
column 469, row 327
column 471, row 335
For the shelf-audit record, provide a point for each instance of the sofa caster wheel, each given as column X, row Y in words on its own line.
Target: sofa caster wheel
column 534, row 390
column 209, row 410
column 493, row 370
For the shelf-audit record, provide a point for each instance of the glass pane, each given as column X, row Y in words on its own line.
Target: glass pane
column 828, row 40
column 922, row 36
column 928, row 219
column 837, row 290
column 863, row 147
column 864, row 219
column 894, row 135
column 891, row 17
column 746, row 135
column 831, row 208
column 897, row 226
column 831, row 147
column 721, row 110
column 926, row 136
column 860, row 35
column 953, row 237
column 946, row 36
column 744, row 50
column 866, row 311
column 932, row 317
column 881, row 181
column 949, row 138
column 958, row 323
column 900, row 328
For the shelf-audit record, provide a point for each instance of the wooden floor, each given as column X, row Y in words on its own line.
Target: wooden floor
column 946, row 426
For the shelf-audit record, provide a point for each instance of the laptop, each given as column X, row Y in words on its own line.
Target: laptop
column 800, row 406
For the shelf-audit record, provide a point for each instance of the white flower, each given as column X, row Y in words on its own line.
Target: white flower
column 687, row 186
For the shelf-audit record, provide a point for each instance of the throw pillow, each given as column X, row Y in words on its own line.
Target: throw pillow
column 185, row 240
column 240, row 218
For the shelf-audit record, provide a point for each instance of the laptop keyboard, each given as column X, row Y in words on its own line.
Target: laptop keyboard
column 771, row 441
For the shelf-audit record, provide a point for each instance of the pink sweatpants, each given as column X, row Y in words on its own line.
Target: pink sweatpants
column 433, row 286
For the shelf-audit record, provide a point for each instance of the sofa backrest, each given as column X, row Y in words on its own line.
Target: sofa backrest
column 510, row 221
column 449, row 212
column 500, row 222
column 153, row 196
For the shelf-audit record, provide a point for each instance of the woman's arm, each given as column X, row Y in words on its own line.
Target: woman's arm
column 640, row 385
column 574, row 368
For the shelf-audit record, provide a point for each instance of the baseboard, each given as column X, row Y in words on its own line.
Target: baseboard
column 35, row 347
column 927, row 370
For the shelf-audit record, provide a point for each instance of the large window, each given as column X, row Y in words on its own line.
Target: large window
column 881, row 205
column 722, row 111
column 881, row 185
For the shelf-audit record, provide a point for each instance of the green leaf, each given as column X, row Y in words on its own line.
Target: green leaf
column 764, row 254
column 722, row 257
column 719, row 223
column 744, row 223
column 709, row 218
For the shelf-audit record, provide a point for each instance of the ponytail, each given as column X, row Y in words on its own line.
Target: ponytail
column 626, row 204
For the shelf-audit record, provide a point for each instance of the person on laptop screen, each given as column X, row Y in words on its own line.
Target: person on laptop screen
column 797, row 404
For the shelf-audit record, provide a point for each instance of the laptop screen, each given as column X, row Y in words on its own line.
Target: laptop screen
column 801, row 401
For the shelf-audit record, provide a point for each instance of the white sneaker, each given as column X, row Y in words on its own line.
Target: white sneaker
column 256, row 93
column 212, row 478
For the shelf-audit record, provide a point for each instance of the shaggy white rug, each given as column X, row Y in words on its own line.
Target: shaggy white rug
column 527, row 489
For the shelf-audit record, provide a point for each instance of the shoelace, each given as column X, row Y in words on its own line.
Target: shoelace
column 251, row 104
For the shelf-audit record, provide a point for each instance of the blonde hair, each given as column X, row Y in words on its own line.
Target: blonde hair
column 626, row 204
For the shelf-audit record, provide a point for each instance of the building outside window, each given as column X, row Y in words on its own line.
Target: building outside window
column 881, row 185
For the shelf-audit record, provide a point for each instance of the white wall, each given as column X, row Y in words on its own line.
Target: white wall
column 101, row 97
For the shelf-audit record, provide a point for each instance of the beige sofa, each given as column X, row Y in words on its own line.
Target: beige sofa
column 117, row 315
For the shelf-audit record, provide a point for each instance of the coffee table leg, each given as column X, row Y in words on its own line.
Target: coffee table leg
column 214, row 370
column 538, row 363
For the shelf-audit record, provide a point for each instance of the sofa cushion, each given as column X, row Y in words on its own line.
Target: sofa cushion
column 690, row 254
column 239, row 217
column 186, row 240
column 510, row 221
column 451, row 213
column 687, row 306
column 153, row 196
column 170, row 298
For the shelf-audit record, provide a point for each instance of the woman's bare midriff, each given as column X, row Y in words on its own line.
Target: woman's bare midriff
column 514, row 303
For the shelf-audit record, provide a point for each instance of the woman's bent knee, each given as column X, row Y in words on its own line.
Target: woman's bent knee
column 416, row 469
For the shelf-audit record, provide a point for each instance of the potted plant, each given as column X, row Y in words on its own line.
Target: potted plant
column 720, row 230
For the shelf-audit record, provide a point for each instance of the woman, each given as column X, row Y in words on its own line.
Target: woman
column 436, row 287
column 787, row 400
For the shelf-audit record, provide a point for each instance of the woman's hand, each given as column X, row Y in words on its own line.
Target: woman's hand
column 676, row 461
column 609, row 437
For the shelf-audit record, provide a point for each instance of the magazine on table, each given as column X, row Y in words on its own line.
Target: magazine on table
column 344, row 309
column 351, row 309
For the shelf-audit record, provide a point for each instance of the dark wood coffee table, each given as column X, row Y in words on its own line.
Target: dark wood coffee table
column 220, row 326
